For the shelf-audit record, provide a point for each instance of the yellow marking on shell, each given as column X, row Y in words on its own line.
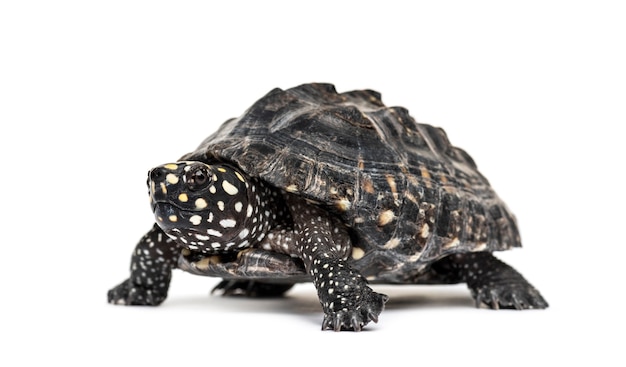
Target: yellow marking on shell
column 391, row 244
column 391, row 181
column 453, row 243
column 183, row 197
column 426, row 175
column 386, row 217
column 221, row 169
column 204, row 263
column 412, row 180
column 343, row 204
column 152, row 186
column 243, row 252
column 292, row 188
column 201, row 203
column 229, row 188
column 411, row 197
column 173, row 218
column 171, row 178
column 239, row 176
column 357, row 253
column 367, row 185
column 482, row 246
column 163, row 188
column 414, row 257
column 160, row 219
column 171, row 166
column 425, row 231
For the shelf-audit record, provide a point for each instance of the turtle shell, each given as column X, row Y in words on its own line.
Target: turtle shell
column 406, row 193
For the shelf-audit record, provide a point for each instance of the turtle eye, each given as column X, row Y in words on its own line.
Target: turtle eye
column 198, row 178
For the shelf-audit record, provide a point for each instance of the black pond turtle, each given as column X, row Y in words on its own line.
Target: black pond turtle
column 312, row 185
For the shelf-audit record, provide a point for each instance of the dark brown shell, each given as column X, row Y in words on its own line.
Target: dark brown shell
column 406, row 192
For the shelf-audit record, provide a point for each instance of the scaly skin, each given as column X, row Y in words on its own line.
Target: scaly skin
column 492, row 282
column 150, row 271
column 348, row 302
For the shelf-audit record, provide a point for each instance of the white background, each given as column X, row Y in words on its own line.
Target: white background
column 93, row 94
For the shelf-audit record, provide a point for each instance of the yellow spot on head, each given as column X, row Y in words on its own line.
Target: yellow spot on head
column 195, row 219
column 171, row 178
column 171, row 166
column 229, row 188
column 357, row 253
column 183, row 197
column 201, row 203
column 239, row 176
column 173, row 218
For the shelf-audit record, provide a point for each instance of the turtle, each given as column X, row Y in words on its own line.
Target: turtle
column 312, row 185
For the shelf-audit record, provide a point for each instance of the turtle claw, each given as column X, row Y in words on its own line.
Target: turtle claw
column 356, row 319
column 516, row 296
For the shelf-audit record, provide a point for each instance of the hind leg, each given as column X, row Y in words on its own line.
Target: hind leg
column 251, row 288
column 491, row 281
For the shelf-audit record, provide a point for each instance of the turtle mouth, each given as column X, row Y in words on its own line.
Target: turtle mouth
column 169, row 216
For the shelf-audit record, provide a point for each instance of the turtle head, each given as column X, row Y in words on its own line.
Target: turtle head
column 203, row 207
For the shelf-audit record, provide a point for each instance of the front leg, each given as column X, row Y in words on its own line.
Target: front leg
column 348, row 302
column 151, row 267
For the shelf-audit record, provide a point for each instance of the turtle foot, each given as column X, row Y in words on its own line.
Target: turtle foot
column 251, row 288
column 346, row 319
column 127, row 293
column 520, row 296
